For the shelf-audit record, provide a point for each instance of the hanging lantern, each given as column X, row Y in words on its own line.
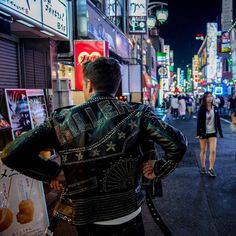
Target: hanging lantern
column 162, row 15
column 151, row 22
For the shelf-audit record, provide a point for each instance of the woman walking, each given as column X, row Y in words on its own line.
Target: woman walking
column 208, row 125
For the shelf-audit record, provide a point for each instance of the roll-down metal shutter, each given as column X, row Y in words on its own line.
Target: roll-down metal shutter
column 35, row 69
column 8, row 64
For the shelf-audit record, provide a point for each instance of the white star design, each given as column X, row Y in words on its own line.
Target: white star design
column 111, row 146
column 121, row 135
column 79, row 156
column 95, row 153
column 64, row 158
column 132, row 124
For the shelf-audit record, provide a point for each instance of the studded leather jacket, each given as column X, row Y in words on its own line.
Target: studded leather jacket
column 99, row 144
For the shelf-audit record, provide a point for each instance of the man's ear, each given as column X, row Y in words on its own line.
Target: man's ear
column 90, row 86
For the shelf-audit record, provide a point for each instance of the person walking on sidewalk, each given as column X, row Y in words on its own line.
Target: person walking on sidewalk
column 99, row 143
column 208, row 125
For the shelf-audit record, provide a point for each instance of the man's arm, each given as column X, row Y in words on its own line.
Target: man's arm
column 23, row 153
column 171, row 140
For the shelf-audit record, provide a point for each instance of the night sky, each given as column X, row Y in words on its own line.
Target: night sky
column 186, row 19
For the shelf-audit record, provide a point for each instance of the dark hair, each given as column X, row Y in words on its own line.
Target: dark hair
column 104, row 73
column 205, row 97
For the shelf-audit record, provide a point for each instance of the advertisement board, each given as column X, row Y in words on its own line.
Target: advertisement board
column 87, row 50
column 26, row 109
column 18, row 111
column 47, row 14
column 137, row 10
column 23, row 210
column 211, row 51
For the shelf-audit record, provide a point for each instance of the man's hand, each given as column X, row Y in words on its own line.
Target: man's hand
column 58, row 183
column 148, row 169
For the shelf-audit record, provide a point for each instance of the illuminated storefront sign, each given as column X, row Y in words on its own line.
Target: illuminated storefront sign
column 87, row 50
column 225, row 42
column 137, row 16
column 114, row 11
column 47, row 14
column 161, row 58
column 211, row 51
column 233, row 51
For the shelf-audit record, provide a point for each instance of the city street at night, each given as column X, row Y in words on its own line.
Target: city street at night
column 85, row 86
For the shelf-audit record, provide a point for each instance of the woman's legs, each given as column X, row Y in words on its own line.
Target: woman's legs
column 212, row 150
column 203, row 147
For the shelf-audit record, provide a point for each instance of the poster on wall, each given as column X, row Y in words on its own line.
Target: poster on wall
column 37, row 106
column 87, row 50
column 26, row 109
column 18, row 111
column 22, row 205
column 23, row 210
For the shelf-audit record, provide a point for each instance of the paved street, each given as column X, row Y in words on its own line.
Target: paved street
column 193, row 204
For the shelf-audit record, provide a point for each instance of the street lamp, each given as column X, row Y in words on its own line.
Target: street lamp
column 161, row 12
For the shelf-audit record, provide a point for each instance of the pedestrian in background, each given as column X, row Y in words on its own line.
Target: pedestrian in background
column 182, row 107
column 99, row 146
column 175, row 106
column 208, row 125
column 189, row 105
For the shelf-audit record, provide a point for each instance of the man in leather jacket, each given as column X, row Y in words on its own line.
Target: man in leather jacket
column 99, row 144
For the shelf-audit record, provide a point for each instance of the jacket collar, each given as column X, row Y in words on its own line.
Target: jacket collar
column 101, row 94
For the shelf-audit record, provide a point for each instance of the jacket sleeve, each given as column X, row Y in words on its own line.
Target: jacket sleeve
column 171, row 140
column 23, row 153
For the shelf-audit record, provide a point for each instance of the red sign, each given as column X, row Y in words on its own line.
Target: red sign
column 87, row 50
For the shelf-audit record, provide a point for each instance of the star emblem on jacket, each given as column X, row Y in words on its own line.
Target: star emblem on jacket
column 79, row 156
column 121, row 135
column 64, row 158
column 132, row 124
column 111, row 147
column 95, row 153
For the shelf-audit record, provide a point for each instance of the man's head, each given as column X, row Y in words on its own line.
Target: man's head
column 101, row 75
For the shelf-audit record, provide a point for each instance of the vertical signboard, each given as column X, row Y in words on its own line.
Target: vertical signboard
column 227, row 14
column 195, row 69
column 87, row 50
column 114, row 11
column 211, row 51
column 233, row 55
column 137, row 16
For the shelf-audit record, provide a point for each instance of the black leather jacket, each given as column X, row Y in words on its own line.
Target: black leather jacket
column 99, row 143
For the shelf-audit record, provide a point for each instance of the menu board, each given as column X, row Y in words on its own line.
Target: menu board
column 23, row 208
column 22, row 205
